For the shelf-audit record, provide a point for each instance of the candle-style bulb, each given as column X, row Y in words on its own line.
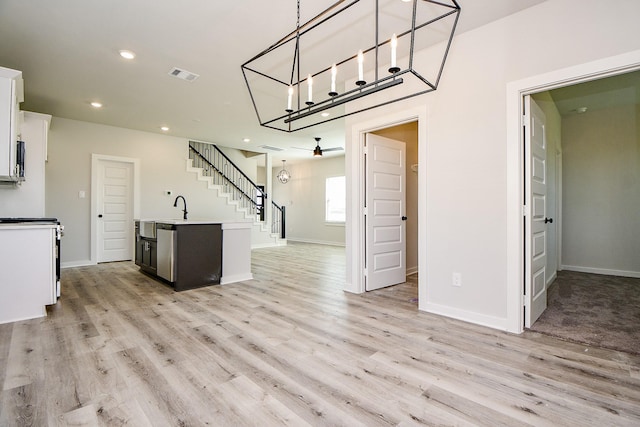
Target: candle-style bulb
column 310, row 90
column 334, row 73
column 360, row 81
column 394, row 48
column 289, row 99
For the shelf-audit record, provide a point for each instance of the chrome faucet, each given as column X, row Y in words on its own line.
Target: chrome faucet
column 175, row 205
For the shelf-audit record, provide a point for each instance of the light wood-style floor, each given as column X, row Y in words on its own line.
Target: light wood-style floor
column 291, row 348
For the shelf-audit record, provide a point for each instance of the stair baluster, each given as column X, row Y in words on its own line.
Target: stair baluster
column 215, row 164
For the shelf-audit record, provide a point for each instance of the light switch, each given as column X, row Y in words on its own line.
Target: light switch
column 81, row 194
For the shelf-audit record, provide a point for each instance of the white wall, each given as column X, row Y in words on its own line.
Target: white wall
column 601, row 191
column 27, row 200
column 248, row 165
column 304, row 199
column 163, row 167
column 465, row 142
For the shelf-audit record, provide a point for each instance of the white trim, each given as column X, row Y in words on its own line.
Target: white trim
column 268, row 245
column 603, row 271
column 95, row 158
column 467, row 316
column 225, row 280
column 42, row 313
column 515, row 91
column 559, row 208
column 354, row 171
column 81, row 263
column 551, row 278
column 316, row 242
column 411, row 270
column 334, row 223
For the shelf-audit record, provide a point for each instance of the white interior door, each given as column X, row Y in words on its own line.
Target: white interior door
column 115, row 210
column 385, row 209
column 536, row 213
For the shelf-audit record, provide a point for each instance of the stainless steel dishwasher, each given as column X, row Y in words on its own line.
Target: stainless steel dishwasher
column 166, row 235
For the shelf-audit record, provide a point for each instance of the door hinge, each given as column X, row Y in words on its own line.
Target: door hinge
column 524, row 120
column 365, row 272
column 365, row 211
column 525, row 210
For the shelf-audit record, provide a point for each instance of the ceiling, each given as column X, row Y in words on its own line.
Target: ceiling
column 68, row 51
column 619, row 90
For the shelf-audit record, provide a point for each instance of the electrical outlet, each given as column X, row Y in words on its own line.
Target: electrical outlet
column 457, row 279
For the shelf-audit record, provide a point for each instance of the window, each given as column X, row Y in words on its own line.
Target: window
column 335, row 199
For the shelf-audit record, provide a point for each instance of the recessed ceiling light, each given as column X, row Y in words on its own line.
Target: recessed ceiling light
column 246, row 140
column 96, row 104
column 127, row 54
column 325, row 114
column 164, row 128
column 581, row 110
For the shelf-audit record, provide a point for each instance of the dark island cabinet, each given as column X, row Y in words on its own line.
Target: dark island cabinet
column 184, row 255
column 146, row 251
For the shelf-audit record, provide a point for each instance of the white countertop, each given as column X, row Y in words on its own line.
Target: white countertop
column 27, row 225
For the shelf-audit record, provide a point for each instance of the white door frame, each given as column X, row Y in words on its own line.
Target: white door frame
column 355, row 170
column 606, row 67
column 95, row 159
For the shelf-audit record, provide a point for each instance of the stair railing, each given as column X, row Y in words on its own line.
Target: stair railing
column 215, row 164
column 278, row 220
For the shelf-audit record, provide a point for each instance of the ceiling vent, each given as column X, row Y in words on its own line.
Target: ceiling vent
column 269, row 147
column 183, row 74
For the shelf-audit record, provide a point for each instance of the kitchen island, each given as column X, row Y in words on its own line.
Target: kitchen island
column 189, row 254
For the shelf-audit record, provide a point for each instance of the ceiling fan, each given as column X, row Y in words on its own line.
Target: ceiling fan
column 317, row 152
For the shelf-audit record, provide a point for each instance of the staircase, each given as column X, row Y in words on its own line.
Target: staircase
column 231, row 184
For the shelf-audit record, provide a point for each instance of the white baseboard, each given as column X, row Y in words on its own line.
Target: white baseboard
column 80, row 263
column 411, row 270
column 552, row 278
column 28, row 316
column 466, row 316
column 224, row 280
column 604, row 271
column 316, row 242
column 265, row 245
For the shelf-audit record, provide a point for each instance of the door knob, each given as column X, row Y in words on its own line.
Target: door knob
column 404, row 218
column 546, row 220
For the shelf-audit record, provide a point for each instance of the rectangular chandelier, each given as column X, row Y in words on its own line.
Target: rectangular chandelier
column 354, row 56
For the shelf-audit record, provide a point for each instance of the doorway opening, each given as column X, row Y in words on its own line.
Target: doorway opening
column 518, row 234
column 404, row 125
column 592, row 136
column 408, row 133
column 115, row 202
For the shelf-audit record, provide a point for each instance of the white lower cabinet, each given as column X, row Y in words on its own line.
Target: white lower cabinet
column 28, row 266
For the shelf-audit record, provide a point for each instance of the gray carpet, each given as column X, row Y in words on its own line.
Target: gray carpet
column 592, row 309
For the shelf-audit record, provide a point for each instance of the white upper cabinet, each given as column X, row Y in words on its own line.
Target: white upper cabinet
column 11, row 95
